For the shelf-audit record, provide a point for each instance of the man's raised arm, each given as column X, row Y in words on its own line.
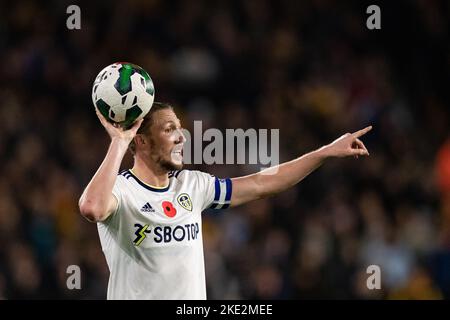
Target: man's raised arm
column 286, row 175
column 97, row 201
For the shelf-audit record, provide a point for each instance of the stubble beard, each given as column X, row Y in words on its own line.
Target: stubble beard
column 169, row 165
column 164, row 164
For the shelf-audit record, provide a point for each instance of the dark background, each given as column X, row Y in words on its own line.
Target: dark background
column 310, row 68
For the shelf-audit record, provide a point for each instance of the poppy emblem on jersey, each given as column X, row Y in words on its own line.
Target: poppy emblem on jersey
column 169, row 209
column 185, row 201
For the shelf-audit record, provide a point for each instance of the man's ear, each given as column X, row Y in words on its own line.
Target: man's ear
column 139, row 139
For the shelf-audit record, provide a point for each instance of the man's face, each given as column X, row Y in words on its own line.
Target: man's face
column 166, row 140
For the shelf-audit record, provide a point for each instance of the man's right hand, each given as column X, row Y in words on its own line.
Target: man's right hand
column 117, row 132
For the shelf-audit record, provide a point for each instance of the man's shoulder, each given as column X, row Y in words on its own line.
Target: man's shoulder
column 189, row 174
column 123, row 177
column 124, row 173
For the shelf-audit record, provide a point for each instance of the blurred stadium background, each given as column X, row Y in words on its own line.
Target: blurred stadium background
column 310, row 68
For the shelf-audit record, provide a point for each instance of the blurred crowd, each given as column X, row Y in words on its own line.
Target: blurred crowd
column 309, row 68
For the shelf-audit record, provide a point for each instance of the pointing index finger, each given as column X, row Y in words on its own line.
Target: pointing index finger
column 362, row 132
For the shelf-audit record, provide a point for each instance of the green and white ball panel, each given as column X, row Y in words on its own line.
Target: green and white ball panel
column 123, row 93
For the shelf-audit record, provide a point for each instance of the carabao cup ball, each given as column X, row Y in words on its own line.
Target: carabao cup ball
column 123, row 93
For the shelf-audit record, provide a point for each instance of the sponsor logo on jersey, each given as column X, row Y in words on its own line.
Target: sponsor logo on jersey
column 185, row 201
column 140, row 233
column 147, row 208
column 177, row 233
column 167, row 234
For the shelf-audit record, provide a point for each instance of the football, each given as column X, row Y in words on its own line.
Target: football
column 123, row 93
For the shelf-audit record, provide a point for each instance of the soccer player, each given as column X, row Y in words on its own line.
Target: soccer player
column 149, row 217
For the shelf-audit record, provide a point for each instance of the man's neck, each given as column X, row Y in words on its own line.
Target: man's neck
column 150, row 173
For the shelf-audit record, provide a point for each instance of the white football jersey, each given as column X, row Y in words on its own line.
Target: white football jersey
column 153, row 241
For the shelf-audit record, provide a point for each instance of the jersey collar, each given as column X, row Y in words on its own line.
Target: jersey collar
column 147, row 186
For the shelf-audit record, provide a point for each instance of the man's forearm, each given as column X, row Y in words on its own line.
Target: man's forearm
column 289, row 173
column 276, row 179
column 98, row 192
column 284, row 176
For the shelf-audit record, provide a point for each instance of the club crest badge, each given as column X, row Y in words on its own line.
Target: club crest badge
column 185, row 201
